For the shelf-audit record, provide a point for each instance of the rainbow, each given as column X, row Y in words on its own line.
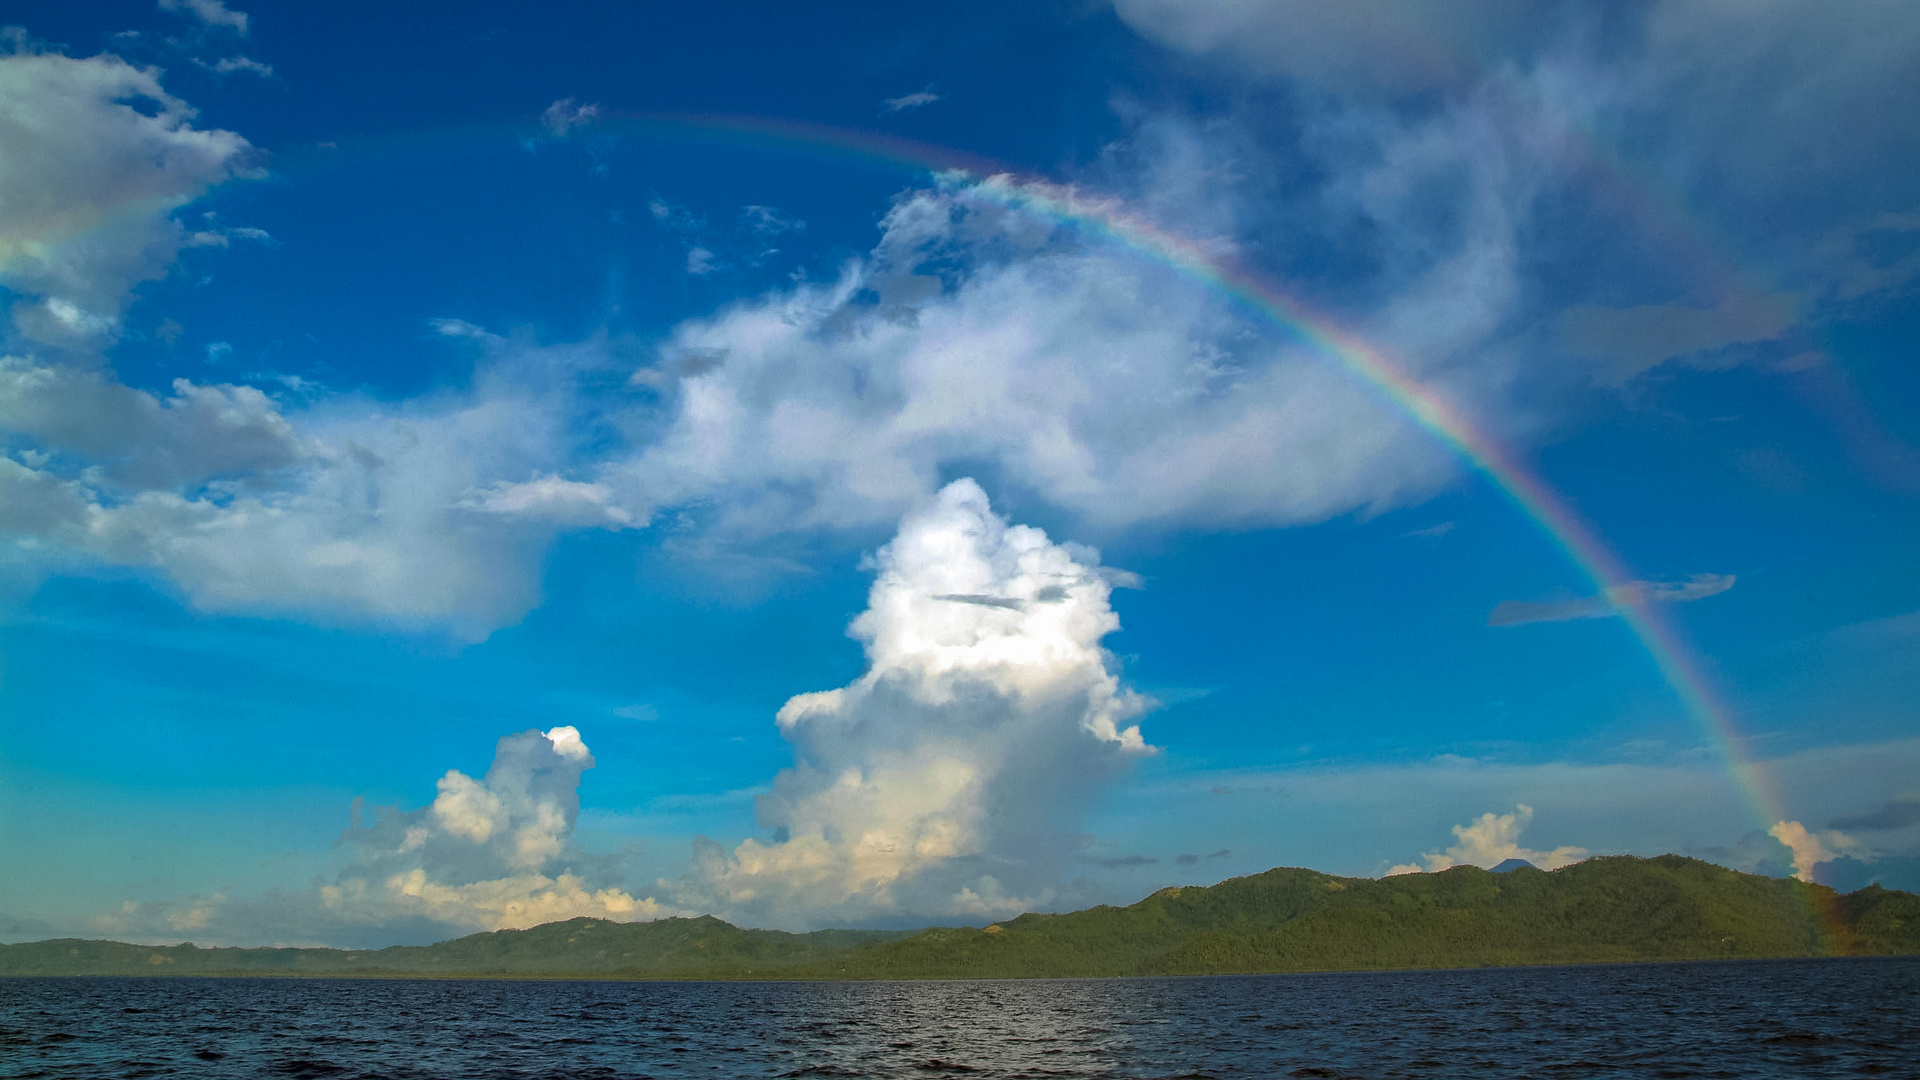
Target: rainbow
column 1108, row 220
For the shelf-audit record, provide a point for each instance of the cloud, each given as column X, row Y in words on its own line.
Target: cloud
column 431, row 515
column 766, row 221
column 139, row 440
column 949, row 772
column 550, row 498
column 1721, row 74
column 978, row 332
column 1631, row 340
column 1632, row 594
column 1615, row 146
column 88, row 187
column 909, row 102
column 563, row 116
column 1858, row 265
column 1810, row 850
column 1367, row 47
column 1431, row 532
column 229, row 64
column 1490, row 840
column 211, row 12
column 1899, row 813
column 489, row 853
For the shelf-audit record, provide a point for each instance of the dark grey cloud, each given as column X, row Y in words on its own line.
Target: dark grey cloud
column 984, row 601
column 1894, row 814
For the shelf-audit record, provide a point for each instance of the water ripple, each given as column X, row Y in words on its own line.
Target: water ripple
column 1826, row 1018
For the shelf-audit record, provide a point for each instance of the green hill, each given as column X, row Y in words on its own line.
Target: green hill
column 1600, row 911
column 582, row 948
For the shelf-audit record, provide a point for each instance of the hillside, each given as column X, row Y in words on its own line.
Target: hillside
column 585, row 948
column 1600, row 911
column 1603, row 910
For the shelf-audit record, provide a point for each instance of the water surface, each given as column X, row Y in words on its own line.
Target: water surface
column 1816, row 1018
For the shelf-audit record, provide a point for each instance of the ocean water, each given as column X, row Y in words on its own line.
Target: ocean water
column 1817, row 1018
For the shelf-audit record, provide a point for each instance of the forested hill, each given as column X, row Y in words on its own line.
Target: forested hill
column 1603, row 910
column 1599, row 911
column 584, row 948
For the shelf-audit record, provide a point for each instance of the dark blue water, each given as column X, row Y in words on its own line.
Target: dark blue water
column 1821, row 1018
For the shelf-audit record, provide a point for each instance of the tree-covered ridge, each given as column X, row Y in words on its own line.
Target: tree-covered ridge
column 1604, row 910
column 1600, row 911
column 587, row 948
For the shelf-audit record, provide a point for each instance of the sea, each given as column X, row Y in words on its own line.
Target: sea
column 1790, row 1018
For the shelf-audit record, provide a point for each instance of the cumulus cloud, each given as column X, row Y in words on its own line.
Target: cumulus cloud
column 140, row 440
column 1632, row 594
column 1490, row 840
column 88, row 187
column 932, row 783
column 488, row 853
column 1810, row 849
column 976, row 331
column 432, row 515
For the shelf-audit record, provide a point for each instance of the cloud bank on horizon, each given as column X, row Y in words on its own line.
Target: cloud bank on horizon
column 1646, row 243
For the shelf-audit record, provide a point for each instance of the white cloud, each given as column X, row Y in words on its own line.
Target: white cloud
column 1810, row 849
column 987, row 709
column 1490, row 840
column 87, row 188
column 1618, row 598
column 141, row 441
column 550, row 498
column 211, row 12
column 343, row 511
column 227, row 65
column 564, row 115
column 488, row 853
column 1668, row 120
column 978, row 332
column 909, row 102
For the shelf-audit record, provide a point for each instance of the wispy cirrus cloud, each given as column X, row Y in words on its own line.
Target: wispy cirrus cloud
column 210, row 12
column 1632, row 594
column 909, row 102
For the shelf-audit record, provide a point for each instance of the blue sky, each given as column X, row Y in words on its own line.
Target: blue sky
column 467, row 465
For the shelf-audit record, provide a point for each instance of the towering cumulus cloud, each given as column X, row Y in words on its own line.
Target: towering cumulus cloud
column 1492, row 839
column 935, row 782
column 487, row 853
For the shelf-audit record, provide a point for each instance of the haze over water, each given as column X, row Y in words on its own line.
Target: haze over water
column 1755, row 1019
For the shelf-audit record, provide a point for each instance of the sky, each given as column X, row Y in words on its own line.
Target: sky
column 469, row 465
